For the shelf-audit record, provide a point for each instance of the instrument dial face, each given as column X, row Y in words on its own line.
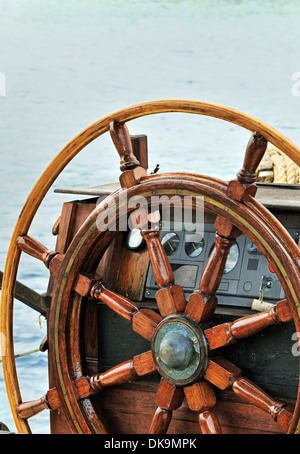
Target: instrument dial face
column 134, row 239
column 170, row 243
column 194, row 247
column 232, row 258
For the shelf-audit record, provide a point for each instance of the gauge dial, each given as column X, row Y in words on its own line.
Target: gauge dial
column 232, row 258
column 134, row 239
column 194, row 246
column 170, row 243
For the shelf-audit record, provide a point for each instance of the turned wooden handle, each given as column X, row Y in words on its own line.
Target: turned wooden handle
column 29, row 409
column 49, row 401
column 121, row 373
column 213, row 271
column 160, row 422
column 162, row 270
column 256, row 396
column 118, row 303
column 255, row 150
column 209, row 423
column 36, row 249
column 247, row 326
column 122, row 141
column 226, row 333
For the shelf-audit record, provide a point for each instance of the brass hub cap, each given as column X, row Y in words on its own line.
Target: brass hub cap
column 179, row 350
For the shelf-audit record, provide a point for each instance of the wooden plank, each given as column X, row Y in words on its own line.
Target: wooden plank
column 133, row 273
column 31, row 298
column 140, row 149
column 129, row 409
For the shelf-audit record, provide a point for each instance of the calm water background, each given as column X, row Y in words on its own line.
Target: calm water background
column 68, row 63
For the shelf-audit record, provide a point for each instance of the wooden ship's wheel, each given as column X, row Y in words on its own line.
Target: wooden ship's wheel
column 183, row 344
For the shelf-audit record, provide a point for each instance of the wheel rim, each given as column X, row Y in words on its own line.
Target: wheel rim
column 248, row 220
column 55, row 168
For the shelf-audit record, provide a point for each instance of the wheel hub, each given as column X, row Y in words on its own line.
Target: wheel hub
column 179, row 350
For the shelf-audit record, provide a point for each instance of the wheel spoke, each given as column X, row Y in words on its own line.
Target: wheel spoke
column 33, row 247
column 144, row 321
column 144, row 363
column 52, row 260
column 202, row 302
column 170, row 297
column 227, row 333
column 122, row 373
column 160, row 264
column 50, row 401
column 160, row 421
column 130, row 166
column 121, row 139
column 246, row 177
column 168, row 398
column 201, row 399
column 209, row 423
column 250, row 392
column 118, row 303
column 225, row 375
column 221, row 373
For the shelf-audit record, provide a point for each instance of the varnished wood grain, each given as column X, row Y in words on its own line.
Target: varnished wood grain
column 226, row 333
column 209, row 423
column 118, row 303
column 244, row 185
column 168, row 396
column 129, row 408
column 119, row 374
column 133, row 273
column 121, row 139
column 222, row 373
column 48, row 401
column 132, row 171
column 160, row 264
column 144, row 322
column 256, row 396
column 144, row 363
column 28, row 409
column 33, row 247
column 201, row 399
column 160, row 421
column 200, row 396
column 170, row 300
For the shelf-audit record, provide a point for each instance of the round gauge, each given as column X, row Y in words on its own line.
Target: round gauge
column 194, row 246
column 170, row 243
column 232, row 258
column 134, row 239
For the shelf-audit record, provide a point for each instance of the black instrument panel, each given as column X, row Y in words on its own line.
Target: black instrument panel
column 246, row 270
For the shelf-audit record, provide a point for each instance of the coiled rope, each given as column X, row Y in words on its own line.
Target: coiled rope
column 276, row 167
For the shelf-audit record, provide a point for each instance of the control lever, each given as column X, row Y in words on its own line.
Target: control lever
column 259, row 304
